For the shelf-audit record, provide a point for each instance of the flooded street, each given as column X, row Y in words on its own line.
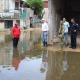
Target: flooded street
column 31, row 62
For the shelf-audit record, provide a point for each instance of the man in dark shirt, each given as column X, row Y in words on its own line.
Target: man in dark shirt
column 73, row 33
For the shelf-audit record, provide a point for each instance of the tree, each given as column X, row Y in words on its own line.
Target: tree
column 37, row 6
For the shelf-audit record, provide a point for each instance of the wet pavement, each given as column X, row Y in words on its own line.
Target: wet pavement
column 31, row 62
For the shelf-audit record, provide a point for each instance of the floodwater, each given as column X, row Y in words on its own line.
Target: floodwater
column 31, row 62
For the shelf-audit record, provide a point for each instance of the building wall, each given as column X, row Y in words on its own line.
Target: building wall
column 46, row 4
column 12, row 5
column 54, row 19
column 2, row 25
column 7, row 5
column 1, row 5
column 46, row 10
column 7, row 11
column 46, row 14
column 25, row 19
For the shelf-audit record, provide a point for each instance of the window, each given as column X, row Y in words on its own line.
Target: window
column 16, row 5
column 6, row 6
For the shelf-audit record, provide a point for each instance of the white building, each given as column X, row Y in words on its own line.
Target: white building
column 9, row 12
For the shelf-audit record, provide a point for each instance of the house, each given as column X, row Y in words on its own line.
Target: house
column 9, row 13
column 25, row 14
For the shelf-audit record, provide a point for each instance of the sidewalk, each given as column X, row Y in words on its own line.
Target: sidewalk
column 66, row 49
column 57, row 47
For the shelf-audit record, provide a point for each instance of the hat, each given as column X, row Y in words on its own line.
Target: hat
column 43, row 19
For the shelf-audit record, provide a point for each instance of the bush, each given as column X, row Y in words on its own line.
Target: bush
column 37, row 6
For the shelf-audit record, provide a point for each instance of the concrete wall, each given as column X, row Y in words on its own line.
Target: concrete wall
column 59, row 9
column 45, row 10
column 1, row 25
column 7, row 4
column 54, row 18
column 51, row 21
column 1, row 5
column 46, row 14
column 12, row 5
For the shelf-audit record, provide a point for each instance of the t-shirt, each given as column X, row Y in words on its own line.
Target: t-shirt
column 66, row 26
column 15, row 32
column 74, row 28
column 45, row 27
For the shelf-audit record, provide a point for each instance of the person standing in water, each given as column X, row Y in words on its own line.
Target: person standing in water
column 45, row 30
column 15, row 32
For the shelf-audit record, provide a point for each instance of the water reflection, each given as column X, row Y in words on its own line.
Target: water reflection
column 16, row 59
column 23, row 66
column 29, row 41
column 6, row 55
column 44, row 64
column 30, row 62
column 2, row 37
column 63, row 66
column 65, row 62
column 39, row 65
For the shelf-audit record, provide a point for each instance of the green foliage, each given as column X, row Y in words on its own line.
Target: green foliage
column 37, row 6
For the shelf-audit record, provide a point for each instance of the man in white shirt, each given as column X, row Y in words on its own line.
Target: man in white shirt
column 44, row 32
column 65, row 26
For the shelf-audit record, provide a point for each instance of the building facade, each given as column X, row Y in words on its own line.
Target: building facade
column 25, row 15
column 46, row 10
column 9, row 12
